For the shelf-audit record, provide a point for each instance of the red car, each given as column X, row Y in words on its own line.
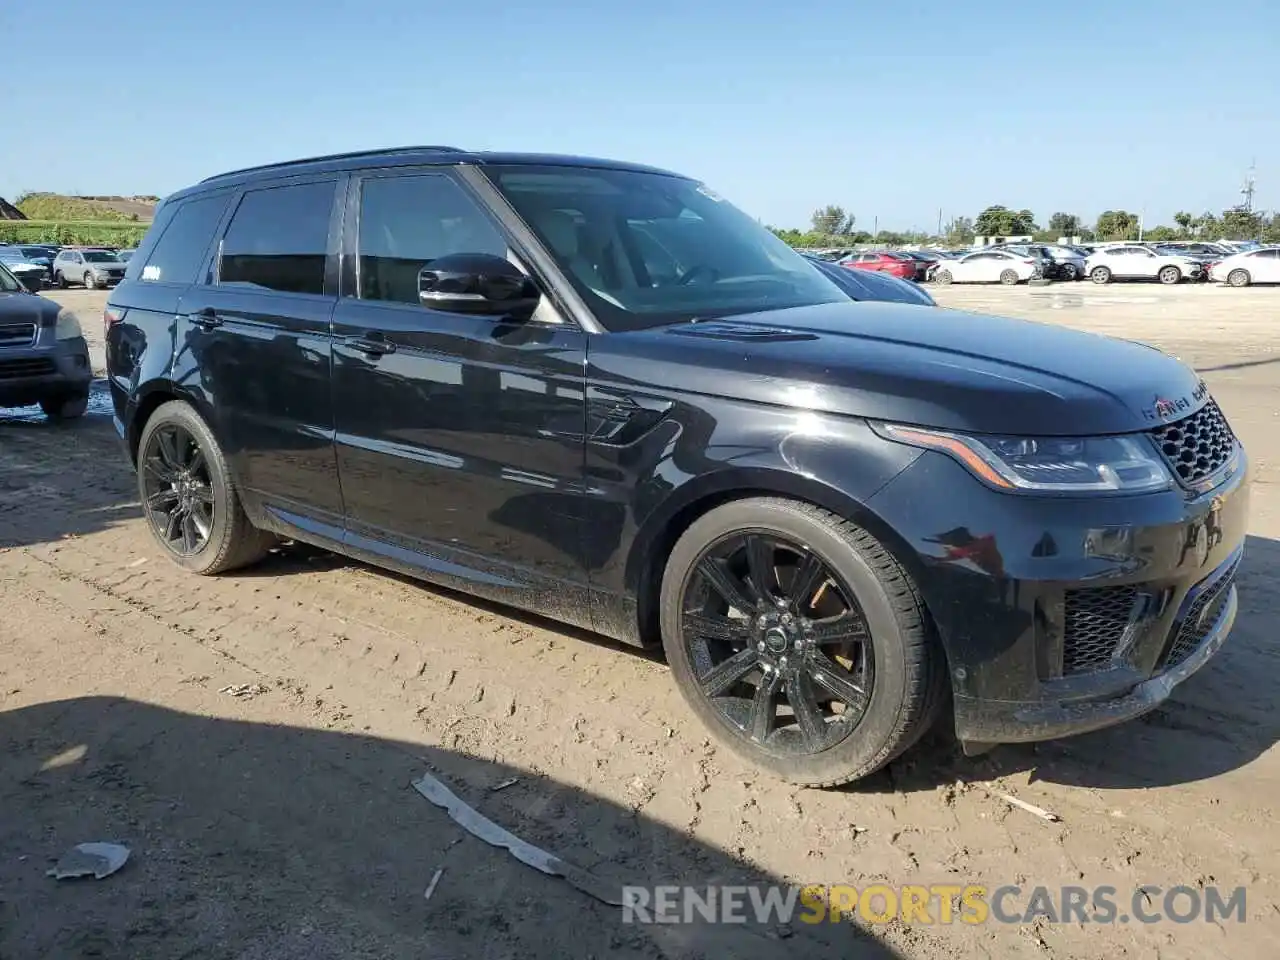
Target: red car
column 893, row 263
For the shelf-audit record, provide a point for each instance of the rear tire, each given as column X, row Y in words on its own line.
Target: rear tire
column 1169, row 275
column 943, row 277
column 180, row 465
column 66, row 407
column 1239, row 278
column 897, row 661
column 1009, row 277
column 1067, row 271
column 1100, row 275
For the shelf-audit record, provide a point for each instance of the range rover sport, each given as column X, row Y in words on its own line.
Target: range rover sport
column 598, row 391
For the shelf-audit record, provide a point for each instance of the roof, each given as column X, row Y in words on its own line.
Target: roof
column 406, row 157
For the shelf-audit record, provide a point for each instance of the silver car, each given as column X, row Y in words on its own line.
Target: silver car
column 93, row 268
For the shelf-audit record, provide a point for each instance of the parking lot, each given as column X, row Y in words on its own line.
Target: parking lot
column 252, row 737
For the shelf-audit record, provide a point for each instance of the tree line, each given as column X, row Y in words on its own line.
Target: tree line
column 833, row 226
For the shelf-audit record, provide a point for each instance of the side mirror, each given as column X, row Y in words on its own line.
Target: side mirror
column 477, row 283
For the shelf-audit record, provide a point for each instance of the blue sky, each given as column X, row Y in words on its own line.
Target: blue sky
column 889, row 109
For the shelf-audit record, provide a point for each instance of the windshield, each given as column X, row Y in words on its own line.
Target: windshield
column 34, row 252
column 8, row 282
column 646, row 249
column 10, row 255
column 99, row 256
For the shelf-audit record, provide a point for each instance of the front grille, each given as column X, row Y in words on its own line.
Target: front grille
column 1096, row 620
column 1200, row 616
column 1197, row 446
column 27, row 367
column 17, row 334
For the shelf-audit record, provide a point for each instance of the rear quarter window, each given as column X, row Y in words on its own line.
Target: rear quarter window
column 182, row 234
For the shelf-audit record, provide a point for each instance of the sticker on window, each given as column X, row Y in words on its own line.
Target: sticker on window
column 709, row 193
column 151, row 272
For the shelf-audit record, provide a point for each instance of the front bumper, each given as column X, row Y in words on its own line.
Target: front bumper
column 1060, row 616
column 46, row 369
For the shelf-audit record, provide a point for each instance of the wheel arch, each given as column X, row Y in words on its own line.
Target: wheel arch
column 151, row 397
column 654, row 542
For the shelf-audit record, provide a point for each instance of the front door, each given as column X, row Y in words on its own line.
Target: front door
column 459, row 437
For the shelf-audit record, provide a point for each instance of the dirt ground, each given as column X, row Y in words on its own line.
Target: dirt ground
column 251, row 738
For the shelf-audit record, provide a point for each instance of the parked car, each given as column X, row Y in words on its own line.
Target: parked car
column 1253, row 266
column 874, row 285
column 989, row 266
column 475, row 368
column 124, row 256
column 925, row 263
column 41, row 255
column 1134, row 262
column 43, row 355
column 1066, row 262
column 894, row 264
column 30, row 273
column 1043, row 259
column 93, row 267
column 1200, row 250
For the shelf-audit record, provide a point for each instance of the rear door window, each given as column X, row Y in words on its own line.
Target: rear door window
column 183, row 241
column 278, row 239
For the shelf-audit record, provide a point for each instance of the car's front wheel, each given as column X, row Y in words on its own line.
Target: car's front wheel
column 943, row 277
column 1067, row 271
column 1169, row 275
column 189, row 496
column 89, row 282
column 799, row 640
column 60, row 280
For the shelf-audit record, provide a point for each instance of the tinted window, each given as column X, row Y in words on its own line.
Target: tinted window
column 278, row 239
column 183, row 241
column 406, row 222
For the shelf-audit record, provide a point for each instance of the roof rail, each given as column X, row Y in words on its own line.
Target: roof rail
column 383, row 151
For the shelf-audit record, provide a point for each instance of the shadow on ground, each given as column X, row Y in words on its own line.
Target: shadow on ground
column 261, row 841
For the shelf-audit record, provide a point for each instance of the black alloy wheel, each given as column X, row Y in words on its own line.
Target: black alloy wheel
column 179, row 499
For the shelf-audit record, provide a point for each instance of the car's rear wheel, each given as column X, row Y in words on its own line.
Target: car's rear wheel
column 799, row 640
column 1100, row 275
column 1067, row 271
column 1239, row 278
column 1169, row 275
column 943, row 276
column 189, row 496
column 1008, row 277
column 66, row 407
column 89, row 283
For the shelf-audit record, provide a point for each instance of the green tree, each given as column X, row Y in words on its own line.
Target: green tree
column 1207, row 226
column 1184, row 221
column 959, row 230
column 1161, row 233
column 1117, row 225
column 832, row 220
column 1241, row 224
column 1064, row 225
column 1000, row 221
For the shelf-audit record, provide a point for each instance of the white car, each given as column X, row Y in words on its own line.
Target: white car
column 1132, row 262
column 1254, row 266
column 987, row 266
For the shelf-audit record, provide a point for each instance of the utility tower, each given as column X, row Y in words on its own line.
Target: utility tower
column 1247, row 190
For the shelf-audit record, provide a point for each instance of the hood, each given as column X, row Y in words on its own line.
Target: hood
column 939, row 368
column 27, row 308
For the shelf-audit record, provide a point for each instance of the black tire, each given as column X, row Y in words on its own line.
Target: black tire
column 909, row 673
column 1009, row 277
column 1169, row 275
column 89, row 282
column 60, row 280
column 1067, row 271
column 1100, row 275
column 66, row 407
column 1239, row 277
column 232, row 541
column 943, row 277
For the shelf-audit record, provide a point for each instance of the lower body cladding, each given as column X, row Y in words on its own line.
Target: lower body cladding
column 47, row 370
column 1065, row 615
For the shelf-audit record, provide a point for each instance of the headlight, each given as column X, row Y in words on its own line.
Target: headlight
column 1047, row 464
column 68, row 326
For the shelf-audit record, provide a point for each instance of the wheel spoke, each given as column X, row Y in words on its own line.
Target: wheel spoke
column 837, row 681
column 158, row 469
column 190, row 536
column 725, row 583
column 196, row 465
column 804, row 704
column 721, row 678
column 167, row 447
column 203, row 520
column 202, row 493
column 173, row 524
column 764, row 707
column 804, row 584
column 846, row 627
column 715, row 627
column 159, row 500
column 761, row 574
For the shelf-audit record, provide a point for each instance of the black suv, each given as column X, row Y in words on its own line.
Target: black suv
column 600, row 392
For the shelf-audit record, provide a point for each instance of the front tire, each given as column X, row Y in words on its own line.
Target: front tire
column 1239, row 278
column 799, row 640
column 1009, row 277
column 60, row 280
column 66, row 408
column 89, row 283
column 1067, row 271
column 1100, row 275
column 1169, row 275
column 943, row 277
column 189, row 496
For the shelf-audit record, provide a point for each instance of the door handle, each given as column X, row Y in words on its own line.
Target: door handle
column 205, row 319
column 370, row 346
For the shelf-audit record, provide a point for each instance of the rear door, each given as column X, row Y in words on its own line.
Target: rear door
column 1265, row 266
column 254, row 342
column 459, row 437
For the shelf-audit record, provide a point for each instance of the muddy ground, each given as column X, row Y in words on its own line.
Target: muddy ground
column 252, row 738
